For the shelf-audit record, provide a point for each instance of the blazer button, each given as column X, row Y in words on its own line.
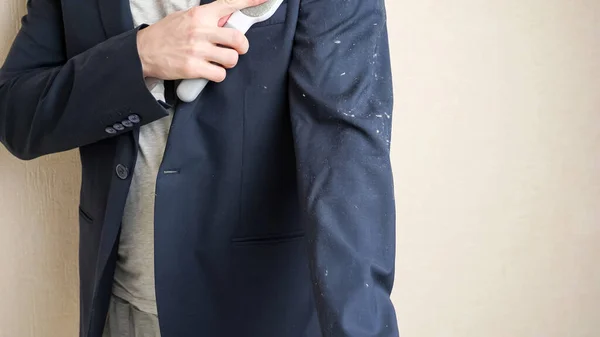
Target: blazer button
column 127, row 123
column 118, row 127
column 110, row 130
column 134, row 118
column 122, row 171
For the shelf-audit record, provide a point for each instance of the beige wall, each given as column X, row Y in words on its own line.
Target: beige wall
column 496, row 153
column 38, row 232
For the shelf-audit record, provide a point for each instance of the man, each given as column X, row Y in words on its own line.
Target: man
column 264, row 208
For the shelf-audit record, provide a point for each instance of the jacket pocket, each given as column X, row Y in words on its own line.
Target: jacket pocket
column 267, row 240
column 85, row 215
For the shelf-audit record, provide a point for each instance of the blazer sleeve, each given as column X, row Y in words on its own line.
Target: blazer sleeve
column 341, row 106
column 50, row 103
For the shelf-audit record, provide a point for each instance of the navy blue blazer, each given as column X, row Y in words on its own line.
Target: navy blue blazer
column 274, row 202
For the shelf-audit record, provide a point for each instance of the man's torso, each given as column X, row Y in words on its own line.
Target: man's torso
column 228, row 240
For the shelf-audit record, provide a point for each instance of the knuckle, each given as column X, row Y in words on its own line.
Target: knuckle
column 193, row 31
column 188, row 68
column 197, row 49
column 193, row 51
column 196, row 13
column 193, row 13
column 197, row 35
column 190, row 34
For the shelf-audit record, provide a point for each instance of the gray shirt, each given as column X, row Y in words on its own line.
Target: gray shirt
column 134, row 275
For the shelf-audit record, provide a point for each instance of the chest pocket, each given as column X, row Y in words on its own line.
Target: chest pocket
column 278, row 18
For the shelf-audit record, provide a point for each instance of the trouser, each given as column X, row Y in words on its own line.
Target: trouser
column 124, row 320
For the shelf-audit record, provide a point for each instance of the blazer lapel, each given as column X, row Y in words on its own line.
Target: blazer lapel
column 116, row 16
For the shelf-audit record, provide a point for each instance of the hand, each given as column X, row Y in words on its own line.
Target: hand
column 194, row 43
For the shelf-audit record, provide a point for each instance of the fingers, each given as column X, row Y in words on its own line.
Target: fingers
column 231, row 38
column 221, row 8
column 207, row 70
column 228, row 58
